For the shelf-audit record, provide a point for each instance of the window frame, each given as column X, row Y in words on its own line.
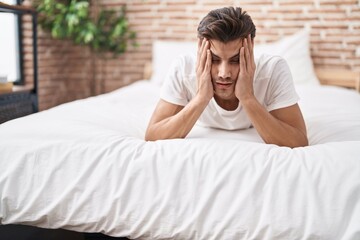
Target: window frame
column 20, row 35
column 24, row 90
column 19, row 42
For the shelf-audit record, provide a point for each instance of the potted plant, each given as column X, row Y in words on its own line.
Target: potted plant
column 71, row 19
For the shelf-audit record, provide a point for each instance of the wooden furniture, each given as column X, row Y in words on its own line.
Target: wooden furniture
column 339, row 77
column 22, row 100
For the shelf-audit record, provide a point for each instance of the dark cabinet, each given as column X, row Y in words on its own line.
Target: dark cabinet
column 24, row 100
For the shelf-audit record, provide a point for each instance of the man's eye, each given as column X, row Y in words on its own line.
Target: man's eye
column 215, row 60
column 235, row 61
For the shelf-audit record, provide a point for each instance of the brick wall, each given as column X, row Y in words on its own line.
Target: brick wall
column 65, row 71
column 68, row 72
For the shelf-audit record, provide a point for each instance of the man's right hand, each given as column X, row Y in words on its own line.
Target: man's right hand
column 203, row 70
column 175, row 121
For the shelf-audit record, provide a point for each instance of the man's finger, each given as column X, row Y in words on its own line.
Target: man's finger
column 249, row 43
column 199, row 43
column 203, row 55
column 242, row 60
column 204, row 41
column 246, row 53
column 208, row 60
column 200, row 47
column 200, row 54
column 251, row 49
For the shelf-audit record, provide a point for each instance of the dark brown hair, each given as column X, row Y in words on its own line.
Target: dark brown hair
column 226, row 24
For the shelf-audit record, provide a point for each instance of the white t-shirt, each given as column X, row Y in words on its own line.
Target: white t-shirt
column 273, row 88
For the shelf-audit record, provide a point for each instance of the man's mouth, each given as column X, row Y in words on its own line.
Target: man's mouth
column 223, row 85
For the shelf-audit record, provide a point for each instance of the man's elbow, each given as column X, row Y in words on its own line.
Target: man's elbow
column 149, row 136
column 302, row 140
column 300, row 143
column 297, row 142
column 155, row 134
column 294, row 142
column 305, row 142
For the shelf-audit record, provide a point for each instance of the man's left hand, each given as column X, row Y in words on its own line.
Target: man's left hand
column 244, row 85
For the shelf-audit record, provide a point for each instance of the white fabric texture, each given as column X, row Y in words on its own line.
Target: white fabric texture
column 84, row 166
column 273, row 88
column 295, row 49
column 164, row 53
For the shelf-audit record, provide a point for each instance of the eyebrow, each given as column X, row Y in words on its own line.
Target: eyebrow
column 235, row 56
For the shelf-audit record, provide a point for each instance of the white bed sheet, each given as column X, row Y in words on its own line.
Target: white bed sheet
column 84, row 166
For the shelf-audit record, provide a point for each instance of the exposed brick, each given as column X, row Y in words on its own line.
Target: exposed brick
column 327, row 10
column 338, row 3
column 137, row 2
column 68, row 72
column 171, row 9
column 257, row 2
column 299, row 17
column 297, row 3
column 183, row 2
column 285, row 11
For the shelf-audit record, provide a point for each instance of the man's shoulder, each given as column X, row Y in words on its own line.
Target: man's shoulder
column 266, row 64
column 186, row 63
column 269, row 61
column 183, row 74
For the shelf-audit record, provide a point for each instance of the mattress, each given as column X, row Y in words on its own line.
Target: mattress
column 85, row 166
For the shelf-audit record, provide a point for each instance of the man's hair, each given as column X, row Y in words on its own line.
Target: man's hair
column 226, row 24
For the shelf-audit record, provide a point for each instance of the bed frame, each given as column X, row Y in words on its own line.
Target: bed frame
column 339, row 77
column 23, row 232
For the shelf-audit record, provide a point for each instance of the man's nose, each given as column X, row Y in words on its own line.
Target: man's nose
column 224, row 70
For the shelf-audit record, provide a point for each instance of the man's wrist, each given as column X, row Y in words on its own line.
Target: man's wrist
column 247, row 99
column 244, row 95
column 201, row 100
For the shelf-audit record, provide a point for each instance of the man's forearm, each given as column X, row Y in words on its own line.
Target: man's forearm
column 271, row 129
column 179, row 125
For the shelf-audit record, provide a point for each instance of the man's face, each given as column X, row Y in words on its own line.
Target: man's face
column 225, row 67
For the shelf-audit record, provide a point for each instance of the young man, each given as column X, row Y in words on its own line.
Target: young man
column 225, row 88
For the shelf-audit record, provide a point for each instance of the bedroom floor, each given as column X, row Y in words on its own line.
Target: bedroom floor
column 19, row 232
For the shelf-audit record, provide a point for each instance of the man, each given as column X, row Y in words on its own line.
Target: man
column 225, row 88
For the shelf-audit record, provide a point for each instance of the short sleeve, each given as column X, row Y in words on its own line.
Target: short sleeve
column 281, row 92
column 173, row 90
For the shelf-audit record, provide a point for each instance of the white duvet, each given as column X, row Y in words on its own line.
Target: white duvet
column 84, row 166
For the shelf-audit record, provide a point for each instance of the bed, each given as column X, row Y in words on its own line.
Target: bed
column 84, row 166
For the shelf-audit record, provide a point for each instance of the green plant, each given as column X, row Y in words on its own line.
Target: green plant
column 70, row 19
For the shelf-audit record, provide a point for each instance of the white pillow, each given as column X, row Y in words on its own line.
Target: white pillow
column 295, row 50
column 163, row 55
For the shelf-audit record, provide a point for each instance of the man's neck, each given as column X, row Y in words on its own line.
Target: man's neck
column 229, row 105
